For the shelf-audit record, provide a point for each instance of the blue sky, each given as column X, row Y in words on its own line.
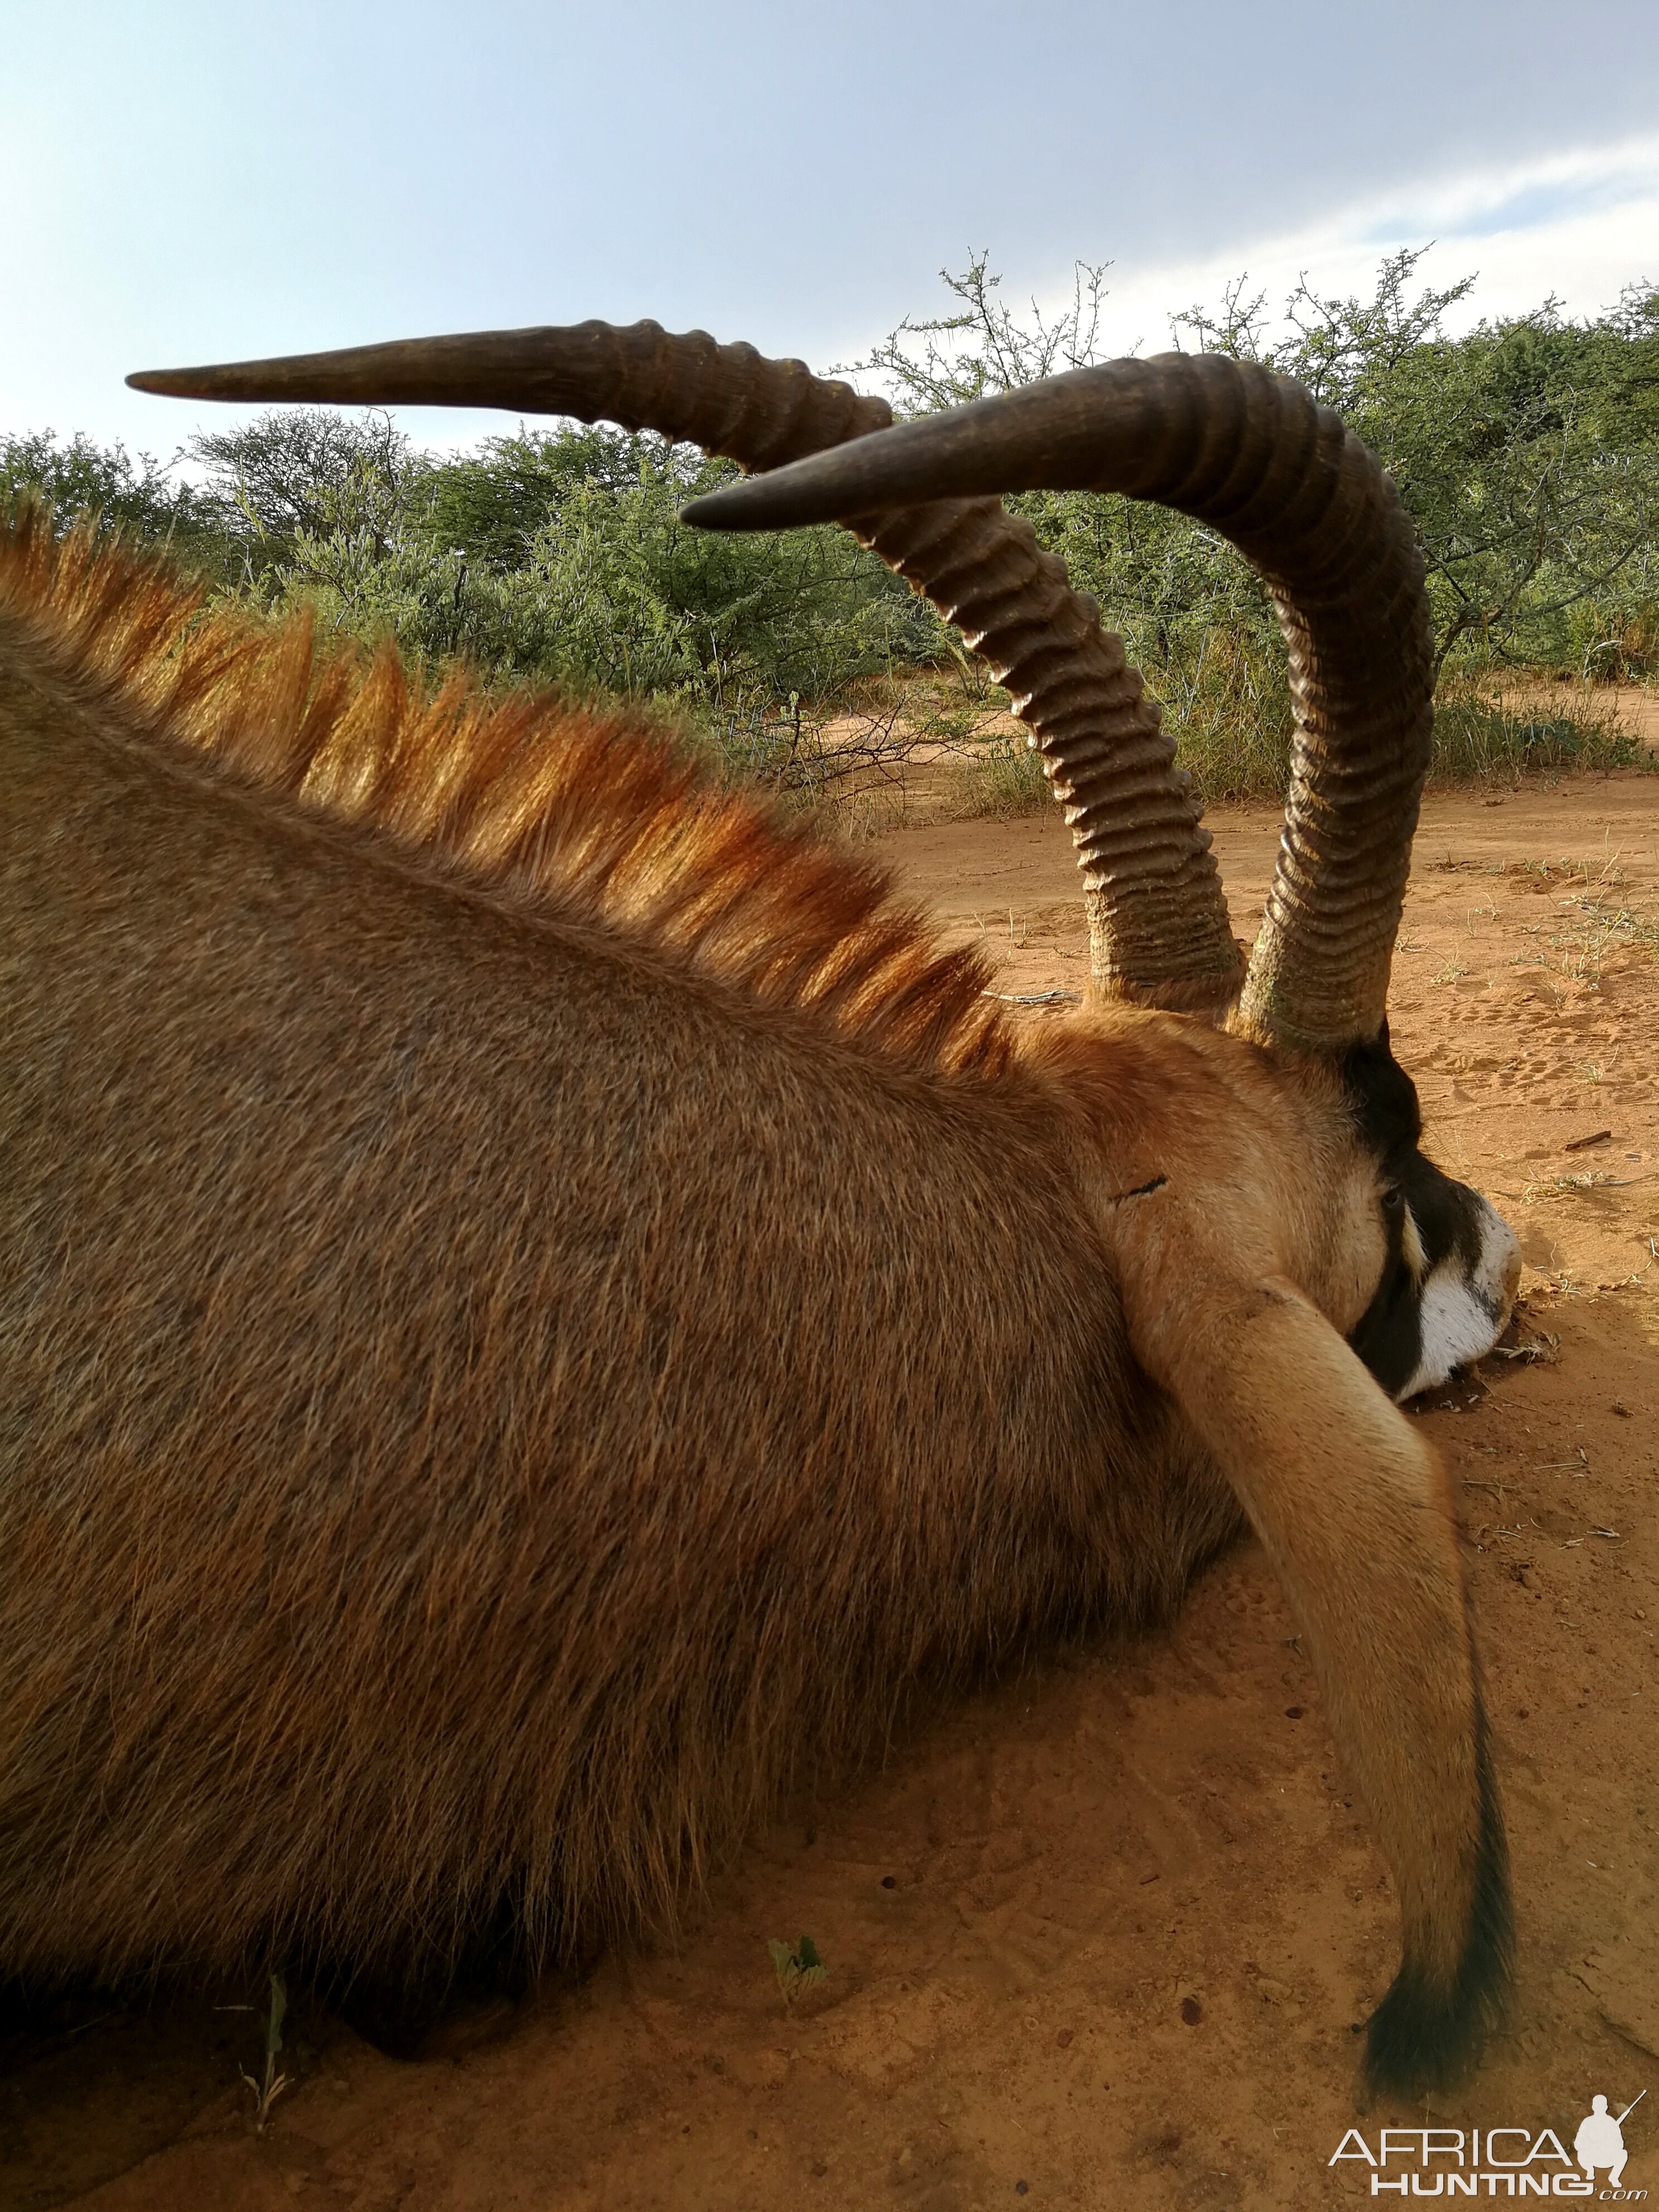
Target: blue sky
column 188, row 182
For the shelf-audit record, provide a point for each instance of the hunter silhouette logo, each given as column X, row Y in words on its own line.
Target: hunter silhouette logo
column 1600, row 2140
column 1498, row 2161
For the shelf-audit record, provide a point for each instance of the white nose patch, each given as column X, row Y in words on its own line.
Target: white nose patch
column 1463, row 1310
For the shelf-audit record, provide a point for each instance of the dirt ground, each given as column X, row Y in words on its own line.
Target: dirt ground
column 1100, row 1935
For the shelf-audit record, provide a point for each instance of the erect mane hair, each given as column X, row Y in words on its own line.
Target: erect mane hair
column 559, row 810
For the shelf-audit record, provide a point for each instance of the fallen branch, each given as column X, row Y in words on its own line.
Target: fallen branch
column 1583, row 1144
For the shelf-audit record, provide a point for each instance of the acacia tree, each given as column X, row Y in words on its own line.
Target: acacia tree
column 984, row 347
column 293, row 480
column 145, row 499
column 1525, row 451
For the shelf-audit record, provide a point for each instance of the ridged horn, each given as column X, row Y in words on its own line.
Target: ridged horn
column 728, row 399
column 1157, row 919
column 1254, row 457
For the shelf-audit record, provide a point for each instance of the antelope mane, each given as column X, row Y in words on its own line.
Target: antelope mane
column 557, row 810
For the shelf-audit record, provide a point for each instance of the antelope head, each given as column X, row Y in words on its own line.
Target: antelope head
column 1251, row 455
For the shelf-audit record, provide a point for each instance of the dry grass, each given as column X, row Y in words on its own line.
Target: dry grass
column 944, row 740
column 1592, row 920
column 1481, row 736
column 1589, row 928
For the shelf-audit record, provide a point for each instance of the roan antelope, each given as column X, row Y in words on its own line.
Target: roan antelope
column 490, row 1221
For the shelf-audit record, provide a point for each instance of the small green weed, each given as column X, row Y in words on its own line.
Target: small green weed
column 267, row 2091
column 797, row 1966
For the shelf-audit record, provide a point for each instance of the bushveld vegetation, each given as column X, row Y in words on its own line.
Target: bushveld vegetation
column 1526, row 452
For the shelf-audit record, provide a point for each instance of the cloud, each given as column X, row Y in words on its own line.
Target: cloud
column 1534, row 197
column 1579, row 226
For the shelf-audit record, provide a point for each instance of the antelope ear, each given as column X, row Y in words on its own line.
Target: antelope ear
column 1354, row 1511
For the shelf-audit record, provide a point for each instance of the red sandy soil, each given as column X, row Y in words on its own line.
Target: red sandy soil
column 1097, row 1936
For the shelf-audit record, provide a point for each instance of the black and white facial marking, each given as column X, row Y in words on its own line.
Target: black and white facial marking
column 1453, row 1262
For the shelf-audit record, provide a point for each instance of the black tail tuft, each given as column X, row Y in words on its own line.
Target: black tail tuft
column 1422, row 2039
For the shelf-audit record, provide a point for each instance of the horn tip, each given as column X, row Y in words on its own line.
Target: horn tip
column 174, row 383
column 730, row 509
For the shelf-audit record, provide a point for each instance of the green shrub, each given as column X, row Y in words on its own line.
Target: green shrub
column 1487, row 739
column 1526, row 452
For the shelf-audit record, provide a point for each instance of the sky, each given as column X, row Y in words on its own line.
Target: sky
column 187, row 182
